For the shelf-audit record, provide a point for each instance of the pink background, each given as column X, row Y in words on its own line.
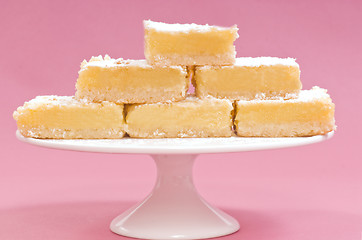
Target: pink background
column 311, row 192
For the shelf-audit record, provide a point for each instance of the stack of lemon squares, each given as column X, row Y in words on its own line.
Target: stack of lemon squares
column 247, row 97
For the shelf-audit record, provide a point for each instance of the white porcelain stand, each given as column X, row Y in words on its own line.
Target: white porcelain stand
column 174, row 209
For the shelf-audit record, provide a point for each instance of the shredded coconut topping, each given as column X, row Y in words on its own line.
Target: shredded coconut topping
column 316, row 93
column 266, row 61
column 53, row 100
column 107, row 62
column 176, row 27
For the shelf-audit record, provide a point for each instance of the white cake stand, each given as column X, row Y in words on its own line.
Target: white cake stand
column 174, row 209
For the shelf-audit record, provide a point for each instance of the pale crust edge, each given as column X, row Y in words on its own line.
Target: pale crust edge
column 52, row 133
column 180, row 133
column 293, row 129
column 131, row 97
column 187, row 60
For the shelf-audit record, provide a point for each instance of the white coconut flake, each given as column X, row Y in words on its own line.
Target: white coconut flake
column 53, row 100
column 50, row 100
column 316, row 93
column 313, row 94
column 108, row 62
column 265, row 61
column 176, row 27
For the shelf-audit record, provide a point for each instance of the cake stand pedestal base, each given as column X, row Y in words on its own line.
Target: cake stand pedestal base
column 174, row 209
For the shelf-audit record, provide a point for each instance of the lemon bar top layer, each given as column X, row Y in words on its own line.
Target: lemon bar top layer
column 249, row 78
column 130, row 81
column 312, row 113
column 191, row 117
column 189, row 44
column 67, row 117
